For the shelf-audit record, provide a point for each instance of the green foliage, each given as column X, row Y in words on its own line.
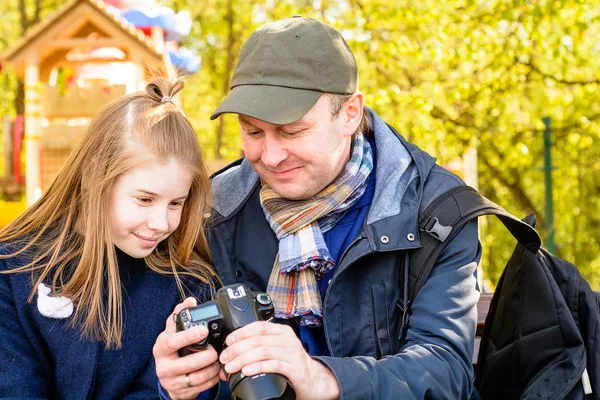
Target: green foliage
column 449, row 75
column 457, row 74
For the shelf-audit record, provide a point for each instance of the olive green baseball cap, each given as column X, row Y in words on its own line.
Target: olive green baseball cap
column 285, row 67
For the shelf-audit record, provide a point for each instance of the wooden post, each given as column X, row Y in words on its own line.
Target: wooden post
column 7, row 142
column 470, row 168
column 472, row 179
column 33, row 132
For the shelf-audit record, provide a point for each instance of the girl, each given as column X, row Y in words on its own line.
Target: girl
column 91, row 271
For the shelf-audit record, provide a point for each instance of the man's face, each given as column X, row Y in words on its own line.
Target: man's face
column 299, row 159
column 146, row 205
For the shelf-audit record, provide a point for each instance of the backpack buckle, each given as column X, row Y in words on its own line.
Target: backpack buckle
column 437, row 230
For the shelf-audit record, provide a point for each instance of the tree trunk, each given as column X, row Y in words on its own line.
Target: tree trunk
column 230, row 18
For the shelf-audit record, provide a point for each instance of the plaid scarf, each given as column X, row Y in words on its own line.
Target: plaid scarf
column 299, row 225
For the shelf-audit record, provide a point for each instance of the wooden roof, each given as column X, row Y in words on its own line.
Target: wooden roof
column 80, row 24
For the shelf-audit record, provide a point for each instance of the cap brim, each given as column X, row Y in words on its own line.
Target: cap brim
column 273, row 104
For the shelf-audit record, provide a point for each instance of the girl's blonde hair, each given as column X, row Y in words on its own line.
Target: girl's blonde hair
column 66, row 232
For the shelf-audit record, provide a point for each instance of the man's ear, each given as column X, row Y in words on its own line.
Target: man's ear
column 353, row 113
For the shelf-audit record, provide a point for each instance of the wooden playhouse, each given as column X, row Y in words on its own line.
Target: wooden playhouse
column 72, row 64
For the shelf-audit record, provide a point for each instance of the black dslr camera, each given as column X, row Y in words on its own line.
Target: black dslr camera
column 235, row 307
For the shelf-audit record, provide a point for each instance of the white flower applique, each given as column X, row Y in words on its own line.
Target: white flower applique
column 53, row 307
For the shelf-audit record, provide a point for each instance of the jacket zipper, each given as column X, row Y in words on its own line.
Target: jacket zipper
column 335, row 275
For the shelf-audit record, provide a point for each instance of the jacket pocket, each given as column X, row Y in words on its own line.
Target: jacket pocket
column 381, row 322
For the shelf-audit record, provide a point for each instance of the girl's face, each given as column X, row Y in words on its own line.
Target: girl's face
column 146, row 204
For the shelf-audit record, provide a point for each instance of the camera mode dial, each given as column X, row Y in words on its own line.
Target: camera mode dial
column 263, row 299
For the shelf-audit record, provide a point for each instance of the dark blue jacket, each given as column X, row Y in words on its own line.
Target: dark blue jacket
column 43, row 358
column 361, row 321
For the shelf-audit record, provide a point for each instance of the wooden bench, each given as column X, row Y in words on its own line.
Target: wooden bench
column 483, row 307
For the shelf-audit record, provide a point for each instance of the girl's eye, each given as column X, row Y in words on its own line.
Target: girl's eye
column 177, row 204
column 144, row 200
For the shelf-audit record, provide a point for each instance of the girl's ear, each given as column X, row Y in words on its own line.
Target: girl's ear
column 353, row 112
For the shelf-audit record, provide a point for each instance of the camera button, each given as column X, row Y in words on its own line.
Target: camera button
column 263, row 299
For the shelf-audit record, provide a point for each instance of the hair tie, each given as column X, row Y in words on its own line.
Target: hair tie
column 165, row 99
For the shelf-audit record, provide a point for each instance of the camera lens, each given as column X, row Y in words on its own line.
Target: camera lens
column 260, row 387
column 263, row 299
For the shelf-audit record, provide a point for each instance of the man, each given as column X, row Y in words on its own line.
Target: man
column 322, row 214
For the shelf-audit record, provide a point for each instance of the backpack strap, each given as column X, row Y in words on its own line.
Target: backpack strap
column 440, row 221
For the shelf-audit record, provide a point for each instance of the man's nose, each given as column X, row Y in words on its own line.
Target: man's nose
column 157, row 220
column 274, row 151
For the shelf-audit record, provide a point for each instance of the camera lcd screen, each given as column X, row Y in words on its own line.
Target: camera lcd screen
column 204, row 312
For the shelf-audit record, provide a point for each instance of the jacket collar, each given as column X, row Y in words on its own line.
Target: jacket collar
column 402, row 168
column 392, row 222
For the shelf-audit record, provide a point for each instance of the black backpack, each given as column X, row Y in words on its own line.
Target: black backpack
column 541, row 338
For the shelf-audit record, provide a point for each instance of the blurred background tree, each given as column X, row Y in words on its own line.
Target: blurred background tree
column 449, row 75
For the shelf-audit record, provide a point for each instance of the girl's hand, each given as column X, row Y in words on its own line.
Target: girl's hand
column 184, row 377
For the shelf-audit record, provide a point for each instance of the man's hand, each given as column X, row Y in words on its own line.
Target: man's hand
column 264, row 347
column 184, row 377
